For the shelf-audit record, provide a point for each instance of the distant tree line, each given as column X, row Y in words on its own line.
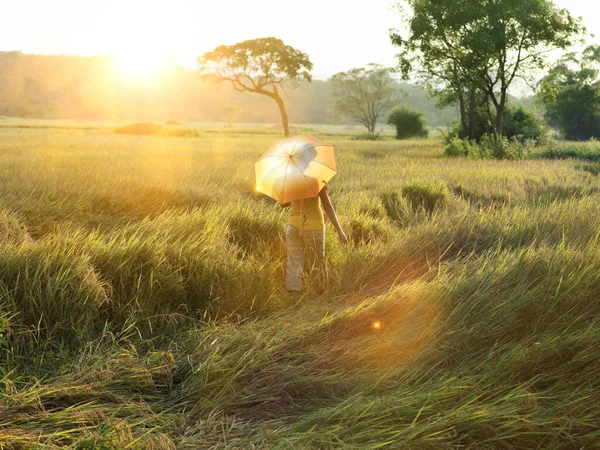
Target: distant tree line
column 87, row 88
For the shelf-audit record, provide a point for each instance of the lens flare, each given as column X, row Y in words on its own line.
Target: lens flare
column 376, row 325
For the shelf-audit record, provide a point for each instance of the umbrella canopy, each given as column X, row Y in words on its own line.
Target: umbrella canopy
column 295, row 168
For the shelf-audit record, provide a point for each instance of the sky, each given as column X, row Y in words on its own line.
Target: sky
column 336, row 34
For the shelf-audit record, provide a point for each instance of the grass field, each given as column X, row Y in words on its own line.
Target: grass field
column 142, row 301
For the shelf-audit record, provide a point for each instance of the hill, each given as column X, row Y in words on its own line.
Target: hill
column 91, row 88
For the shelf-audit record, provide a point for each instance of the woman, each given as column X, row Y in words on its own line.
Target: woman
column 305, row 239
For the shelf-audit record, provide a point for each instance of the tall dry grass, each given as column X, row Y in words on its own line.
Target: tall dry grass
column 142, row 302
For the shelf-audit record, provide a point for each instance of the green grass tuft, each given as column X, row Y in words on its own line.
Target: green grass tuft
column 430, row 197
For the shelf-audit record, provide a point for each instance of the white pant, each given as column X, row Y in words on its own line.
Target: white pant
column 312, row 245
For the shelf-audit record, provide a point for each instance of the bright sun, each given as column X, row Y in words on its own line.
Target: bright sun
column 142, row 64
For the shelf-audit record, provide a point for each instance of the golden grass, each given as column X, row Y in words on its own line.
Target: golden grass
column 142, row 303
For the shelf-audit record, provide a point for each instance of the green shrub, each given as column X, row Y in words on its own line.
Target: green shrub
column 474, row 150
column 409, row 123
column 455, row 148
column 496, row 146
column 368, row 137
column 523, row 125
column 427, row 196
column 490, row 146
column 589, row 151
column 523, row 131
column 462, row 147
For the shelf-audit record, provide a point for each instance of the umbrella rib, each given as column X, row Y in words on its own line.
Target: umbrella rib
column 267, row 157
column 296, row 143
column 285, row 178
column 324, row 165
column 307, row 182
column 269, row 173
column 281, row 146
column 272, row 156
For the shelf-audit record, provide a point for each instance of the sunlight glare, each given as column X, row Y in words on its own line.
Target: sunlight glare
column 143, row 64
column 377, row 325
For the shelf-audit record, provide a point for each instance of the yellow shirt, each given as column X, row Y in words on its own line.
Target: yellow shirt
column 307, row 214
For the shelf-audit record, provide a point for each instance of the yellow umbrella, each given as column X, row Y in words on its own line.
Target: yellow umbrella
column 295, row 168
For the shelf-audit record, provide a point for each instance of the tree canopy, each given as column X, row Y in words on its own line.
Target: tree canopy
column 259, row 66
column 470, row 52
column 571, row 94
column 365, row 94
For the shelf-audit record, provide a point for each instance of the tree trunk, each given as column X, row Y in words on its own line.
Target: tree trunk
column 284, row 116
column 500, row 107
column 499, row 122
column 500, row 116
column 472, row 113
column 463, row 113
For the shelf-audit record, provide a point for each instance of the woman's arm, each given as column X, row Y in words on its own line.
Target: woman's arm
column 328, row 207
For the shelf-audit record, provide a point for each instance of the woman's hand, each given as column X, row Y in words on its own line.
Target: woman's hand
column 342, row 237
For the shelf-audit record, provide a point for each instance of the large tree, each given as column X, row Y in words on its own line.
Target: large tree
column 260, row 66
column 365, row 94
column 470, row 52
column 571, row 94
